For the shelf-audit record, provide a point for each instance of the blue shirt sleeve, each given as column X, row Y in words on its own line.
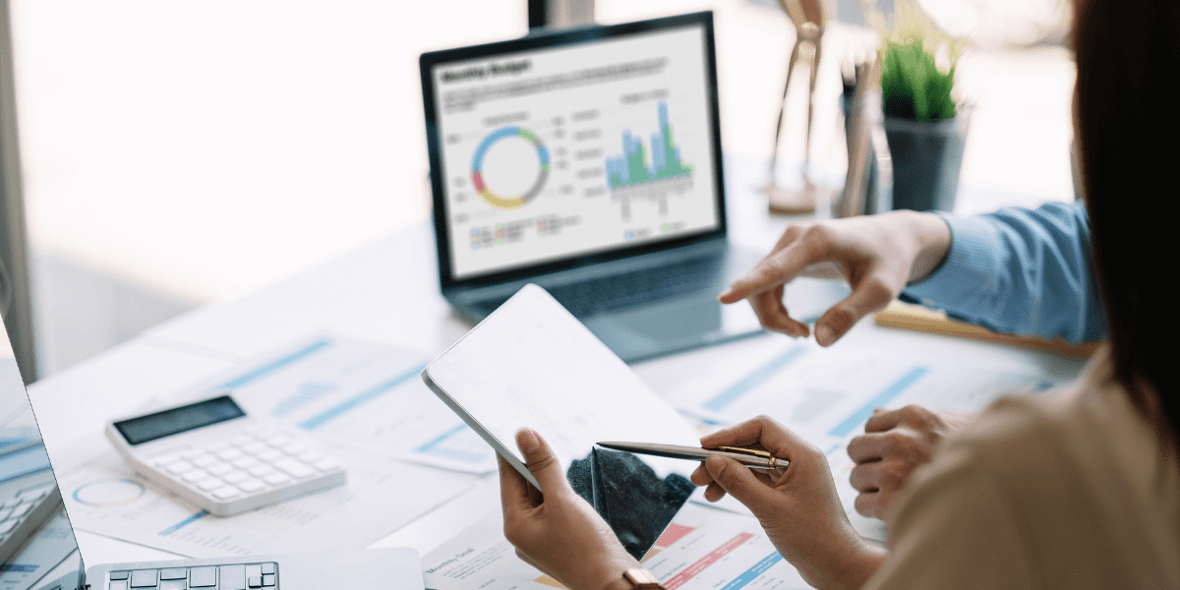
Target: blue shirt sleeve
column 1019, row 271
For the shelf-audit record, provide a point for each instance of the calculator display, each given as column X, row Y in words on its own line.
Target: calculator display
column 177, row 420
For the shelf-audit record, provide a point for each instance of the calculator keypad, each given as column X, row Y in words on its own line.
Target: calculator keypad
column 249, row 576
column 260, row 460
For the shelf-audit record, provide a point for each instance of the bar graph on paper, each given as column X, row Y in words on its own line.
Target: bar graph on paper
column 650, row 173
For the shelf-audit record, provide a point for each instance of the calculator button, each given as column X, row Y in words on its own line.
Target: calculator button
column 143, row 578
column 326, row 464
column 311, row 457
column 174, row 573
column 236, row 476
column 229, row 454
column 268, row 580
column 295, row 449
column 255, row 447
column 268, row 568
column 179, row 467
column 295, row 468
column 278, row 440
column 245, row 462
column 241, row 441
column 227, row 492
column 200, row 577
column 263, row 432
column 210, row 484
column 220, row 469
column 276, row 478
column 270, row 456
column 261, row 470
column 204, row 461
column 192, row 454
column 254, row 581
column 251, row 485
column 195, row 475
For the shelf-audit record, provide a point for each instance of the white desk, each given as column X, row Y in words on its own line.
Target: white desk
column 387, row 292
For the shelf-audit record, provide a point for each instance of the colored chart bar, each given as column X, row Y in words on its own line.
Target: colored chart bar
column 633, row 167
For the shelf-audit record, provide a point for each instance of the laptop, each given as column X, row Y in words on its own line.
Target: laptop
column 588, row 161
column 42, row 551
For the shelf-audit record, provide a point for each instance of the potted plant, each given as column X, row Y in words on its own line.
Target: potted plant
column 925, row 126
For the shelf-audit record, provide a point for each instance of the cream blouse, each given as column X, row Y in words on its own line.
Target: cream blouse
column 1069, row 491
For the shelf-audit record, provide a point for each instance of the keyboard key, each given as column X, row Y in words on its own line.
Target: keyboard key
column 276, row 478
column 256, row 447
column 233, row 577
column 294, row 468
column 251, row 485
column 278, row 441
column 295, row 449
column 34, row 493
column 201, row 577
column 8, row 525
column 22, row 510
column 173, row 584
column 120, row 575
column 254, row 581
column 268, row 580
column 118, row 585
column 143, row 578
column 5, row 513
column 226, row 493
column 174, row 573
column 241, row 441
column 210, row 484
column 193, row 454
column 268, row 568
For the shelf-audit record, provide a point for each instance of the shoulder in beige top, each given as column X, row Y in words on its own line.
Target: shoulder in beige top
column 1069, row 491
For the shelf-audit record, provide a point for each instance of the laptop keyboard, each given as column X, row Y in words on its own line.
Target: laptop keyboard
column 624, row 290
column 213, row 577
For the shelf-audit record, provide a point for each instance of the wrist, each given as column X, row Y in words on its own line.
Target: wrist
column 610, row 575
column 933, row 241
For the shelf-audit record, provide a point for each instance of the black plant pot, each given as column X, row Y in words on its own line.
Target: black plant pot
column 926, row 157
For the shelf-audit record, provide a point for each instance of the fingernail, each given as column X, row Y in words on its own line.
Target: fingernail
column 824, row 335
column 526, row 439
column 726, row 293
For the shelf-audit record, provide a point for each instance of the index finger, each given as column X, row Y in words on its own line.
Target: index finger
column 762, row 430
column 778, row 268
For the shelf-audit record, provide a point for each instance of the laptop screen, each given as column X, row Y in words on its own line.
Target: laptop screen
column 580, row 145
column 38, row 550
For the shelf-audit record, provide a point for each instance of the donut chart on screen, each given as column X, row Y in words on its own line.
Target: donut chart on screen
column 502, row 201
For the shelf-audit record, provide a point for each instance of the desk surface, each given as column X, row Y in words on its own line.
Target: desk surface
column 387, row 292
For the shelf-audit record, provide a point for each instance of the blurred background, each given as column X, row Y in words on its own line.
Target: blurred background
column 180, row 153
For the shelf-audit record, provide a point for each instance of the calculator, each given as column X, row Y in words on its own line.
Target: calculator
column 215, row 456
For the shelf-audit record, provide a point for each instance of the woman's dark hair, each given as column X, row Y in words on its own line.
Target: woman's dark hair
column 1128, row 56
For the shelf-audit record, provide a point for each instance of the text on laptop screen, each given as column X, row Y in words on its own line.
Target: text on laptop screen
column 559, row 152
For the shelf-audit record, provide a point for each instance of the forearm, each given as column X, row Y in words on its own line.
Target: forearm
column 1019, row 271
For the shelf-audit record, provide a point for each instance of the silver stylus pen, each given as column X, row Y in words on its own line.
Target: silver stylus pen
column 751, row 458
